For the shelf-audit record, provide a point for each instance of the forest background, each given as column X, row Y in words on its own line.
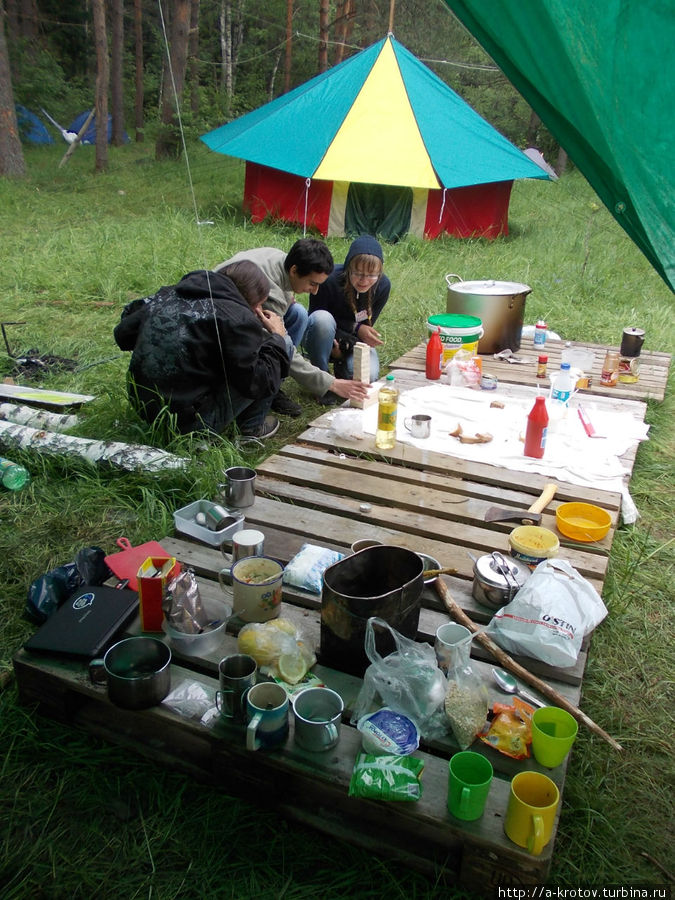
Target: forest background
column 227, row 57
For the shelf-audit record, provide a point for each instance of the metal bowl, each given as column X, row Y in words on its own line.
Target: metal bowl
column 429, row 564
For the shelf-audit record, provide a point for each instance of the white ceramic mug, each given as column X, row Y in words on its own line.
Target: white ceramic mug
column 256, row 588
column 363, row 544
column 452, row 646
column 267, row 711
column 317, row 712
column 418, row 425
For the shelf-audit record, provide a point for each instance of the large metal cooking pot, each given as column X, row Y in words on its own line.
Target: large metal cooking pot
column 500, row 305
column 382, row 581
column 137, row 671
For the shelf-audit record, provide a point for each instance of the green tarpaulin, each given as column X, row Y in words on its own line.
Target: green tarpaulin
column 600, row 74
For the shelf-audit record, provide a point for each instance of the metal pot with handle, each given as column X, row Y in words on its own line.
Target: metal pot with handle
column 500, row 305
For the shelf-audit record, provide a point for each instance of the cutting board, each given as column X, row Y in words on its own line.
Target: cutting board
column 128, row 561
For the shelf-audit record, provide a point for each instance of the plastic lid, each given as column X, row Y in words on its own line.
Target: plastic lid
column 391, row 377
column 565, row 366
column 455, row 320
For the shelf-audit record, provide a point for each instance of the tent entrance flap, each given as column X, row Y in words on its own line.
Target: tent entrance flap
column 378, row 209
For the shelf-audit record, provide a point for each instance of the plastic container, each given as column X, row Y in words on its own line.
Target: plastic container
column 456, row 333
column 532, row 544
column 12, row 475
column 610, row 369
column 542, row 363
column 563, row 384
column 582, row 521
column 434, row 356
column 385, row 436
column 185, row 521
column 537, row 429
column 540, row 333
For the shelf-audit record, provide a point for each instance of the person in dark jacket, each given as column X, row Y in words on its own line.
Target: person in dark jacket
column 207, row 351
column 345, row 308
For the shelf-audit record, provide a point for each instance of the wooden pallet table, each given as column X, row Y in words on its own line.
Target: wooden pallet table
column 654, row 367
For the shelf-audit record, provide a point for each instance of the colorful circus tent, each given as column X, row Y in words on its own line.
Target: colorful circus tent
column 377, row 144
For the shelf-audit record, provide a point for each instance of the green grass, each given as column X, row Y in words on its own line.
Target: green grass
column 82, row 818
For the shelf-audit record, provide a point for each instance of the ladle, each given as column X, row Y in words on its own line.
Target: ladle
column 509, row 685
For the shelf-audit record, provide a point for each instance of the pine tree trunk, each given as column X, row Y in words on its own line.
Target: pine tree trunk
column 323, row 34
column 193, row 56
column 288, row 57
column 102, row 84
column 168, row 139
column 116, row 84
column 561, row 163
column 138, row 41
column 11, row 154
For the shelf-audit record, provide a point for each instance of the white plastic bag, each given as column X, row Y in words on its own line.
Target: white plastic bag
column 407, row 680
column 550, row 615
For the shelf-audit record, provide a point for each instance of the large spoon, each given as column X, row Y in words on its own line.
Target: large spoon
column 509, row 685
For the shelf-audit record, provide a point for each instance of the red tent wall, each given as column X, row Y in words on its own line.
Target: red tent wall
column 481, row 210
column 271, row 192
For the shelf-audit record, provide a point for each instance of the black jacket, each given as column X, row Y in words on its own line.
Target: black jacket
column 194, row 342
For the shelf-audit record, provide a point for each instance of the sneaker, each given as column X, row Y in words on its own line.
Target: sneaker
column 329, row 399
column 283, row 405
column 266, row 429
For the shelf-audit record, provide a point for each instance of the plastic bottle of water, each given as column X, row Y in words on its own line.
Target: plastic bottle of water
column 12, row 475
column 385, row 437
column 563, row 384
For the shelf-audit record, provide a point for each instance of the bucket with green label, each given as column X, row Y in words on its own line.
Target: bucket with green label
column 457, row 333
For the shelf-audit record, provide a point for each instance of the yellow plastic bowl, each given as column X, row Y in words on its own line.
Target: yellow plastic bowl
column 582, row 521
column 531, row 544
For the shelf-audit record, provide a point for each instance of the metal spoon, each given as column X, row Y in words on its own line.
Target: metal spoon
column 509, row 685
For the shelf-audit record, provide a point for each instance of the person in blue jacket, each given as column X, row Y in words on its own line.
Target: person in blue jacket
column 346, row 307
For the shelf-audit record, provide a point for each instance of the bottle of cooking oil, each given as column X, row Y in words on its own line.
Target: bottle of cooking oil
column 385, row 437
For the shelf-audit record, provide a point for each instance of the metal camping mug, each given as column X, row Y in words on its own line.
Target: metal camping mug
column 419, row 425
column 248, row 542
column 237, row 675
column 317, row 712
column 238, row 490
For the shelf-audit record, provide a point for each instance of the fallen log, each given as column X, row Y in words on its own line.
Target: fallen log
column 36, row 418
column 509, row 663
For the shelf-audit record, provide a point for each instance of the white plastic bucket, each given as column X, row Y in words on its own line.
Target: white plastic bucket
column 457, row 333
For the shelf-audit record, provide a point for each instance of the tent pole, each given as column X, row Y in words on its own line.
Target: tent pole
column 392, row 3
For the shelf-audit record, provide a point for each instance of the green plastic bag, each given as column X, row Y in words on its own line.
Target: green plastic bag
column 386, row 777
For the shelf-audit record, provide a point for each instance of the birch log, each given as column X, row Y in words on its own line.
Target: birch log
column 36, row 418
column 124, row 456
column 507, row 662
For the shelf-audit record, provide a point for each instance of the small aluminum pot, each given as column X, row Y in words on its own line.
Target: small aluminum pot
column 137, row 671
column 497, row 579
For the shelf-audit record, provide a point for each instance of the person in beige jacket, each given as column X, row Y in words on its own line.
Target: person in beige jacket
column 300, row 271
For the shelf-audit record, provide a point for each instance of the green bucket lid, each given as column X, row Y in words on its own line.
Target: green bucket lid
column 451, row 320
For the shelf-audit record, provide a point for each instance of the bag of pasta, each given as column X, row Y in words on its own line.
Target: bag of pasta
column 466, row 705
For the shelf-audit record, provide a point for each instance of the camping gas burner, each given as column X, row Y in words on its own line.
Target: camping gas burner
column 34, row 365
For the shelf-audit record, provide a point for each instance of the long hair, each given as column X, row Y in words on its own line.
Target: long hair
column 362, row 262
column 250, row 281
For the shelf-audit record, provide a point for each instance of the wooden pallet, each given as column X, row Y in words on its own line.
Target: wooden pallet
column 654, row 367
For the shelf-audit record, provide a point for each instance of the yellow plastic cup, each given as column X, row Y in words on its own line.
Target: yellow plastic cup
column 553, row 732
column 531, row 811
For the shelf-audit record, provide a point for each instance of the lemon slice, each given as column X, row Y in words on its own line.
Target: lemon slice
column 292, row 667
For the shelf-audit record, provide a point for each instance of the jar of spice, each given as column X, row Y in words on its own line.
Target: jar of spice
column 542, row 362
column 610, row 369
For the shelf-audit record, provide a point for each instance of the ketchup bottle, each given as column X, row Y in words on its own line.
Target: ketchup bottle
column 537, row 426
column 434, row 353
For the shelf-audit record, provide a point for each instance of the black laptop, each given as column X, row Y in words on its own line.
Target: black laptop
column 87, row 622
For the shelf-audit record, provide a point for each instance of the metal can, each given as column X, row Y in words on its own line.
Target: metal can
column 542, row 362
column 629, row 369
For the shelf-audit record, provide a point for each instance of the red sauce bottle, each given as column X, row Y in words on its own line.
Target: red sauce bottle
column 537, row 426
column 434, row 354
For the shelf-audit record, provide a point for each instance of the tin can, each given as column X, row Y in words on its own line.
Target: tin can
column 541, row 366
column 629, row 369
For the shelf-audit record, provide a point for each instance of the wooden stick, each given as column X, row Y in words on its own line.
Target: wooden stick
column 509, row 663
column 433, row 573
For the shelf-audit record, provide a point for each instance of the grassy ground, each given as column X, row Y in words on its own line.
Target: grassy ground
column 84, row 819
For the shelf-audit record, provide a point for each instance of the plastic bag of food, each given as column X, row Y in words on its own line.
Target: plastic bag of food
column 509, row 729
column 182, row 604
column 407, row 680
column 466, row 705
column 463, row 370
column 278, row 649
column 386, row 777
column 305, row 570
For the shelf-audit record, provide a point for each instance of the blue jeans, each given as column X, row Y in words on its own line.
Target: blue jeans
column 318, row 344
column 295, row 322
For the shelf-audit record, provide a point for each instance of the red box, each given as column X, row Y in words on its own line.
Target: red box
column 153, row 577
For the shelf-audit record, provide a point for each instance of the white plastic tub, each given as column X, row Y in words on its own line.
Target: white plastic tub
column 185, row 521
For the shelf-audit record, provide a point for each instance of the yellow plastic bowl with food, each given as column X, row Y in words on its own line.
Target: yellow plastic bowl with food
column 582, row 521
column 532, row 544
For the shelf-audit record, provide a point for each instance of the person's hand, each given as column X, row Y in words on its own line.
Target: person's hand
column 271, row 321
column 349, row 390
column 368, row 335
column 335, row 352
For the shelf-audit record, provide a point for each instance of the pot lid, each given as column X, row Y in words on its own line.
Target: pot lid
column 499, row 571
column 492, row 288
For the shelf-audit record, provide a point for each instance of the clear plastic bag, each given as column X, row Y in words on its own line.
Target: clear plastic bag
column 466, row 705
column 407, row 680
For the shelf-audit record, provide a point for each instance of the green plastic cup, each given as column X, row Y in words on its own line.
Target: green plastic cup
column 553, row 733
column 470, row 776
